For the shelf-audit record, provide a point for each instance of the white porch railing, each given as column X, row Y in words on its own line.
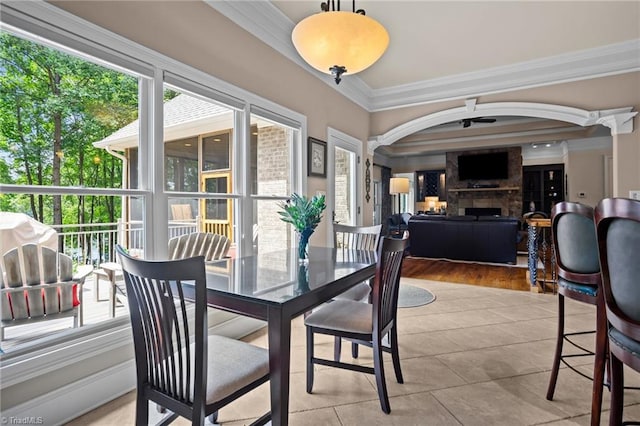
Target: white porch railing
column 94, row 243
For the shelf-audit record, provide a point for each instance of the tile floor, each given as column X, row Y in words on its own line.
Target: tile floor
column 475, row 356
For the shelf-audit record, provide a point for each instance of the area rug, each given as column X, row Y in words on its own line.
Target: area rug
column 411, row 296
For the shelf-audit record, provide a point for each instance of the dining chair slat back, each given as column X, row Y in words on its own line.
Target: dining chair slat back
column 356, row 237
column 366, row 238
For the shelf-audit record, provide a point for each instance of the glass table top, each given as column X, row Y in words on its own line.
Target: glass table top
column 278, row 276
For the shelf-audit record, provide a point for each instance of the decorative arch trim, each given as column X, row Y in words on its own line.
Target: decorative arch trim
column 619, row 120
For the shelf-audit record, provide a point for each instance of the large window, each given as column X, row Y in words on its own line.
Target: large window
column 78, row 153
column 83, row 152
column 55, row 106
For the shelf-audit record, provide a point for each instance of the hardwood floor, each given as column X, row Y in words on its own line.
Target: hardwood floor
column 508, row 276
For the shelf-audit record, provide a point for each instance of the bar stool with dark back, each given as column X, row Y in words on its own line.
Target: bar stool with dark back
column 618, row 232
column 576, row 250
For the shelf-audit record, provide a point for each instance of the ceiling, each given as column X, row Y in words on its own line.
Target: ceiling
column 435, row 39
column 462, row 49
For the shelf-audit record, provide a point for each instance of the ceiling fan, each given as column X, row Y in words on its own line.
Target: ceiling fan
column 466, row 122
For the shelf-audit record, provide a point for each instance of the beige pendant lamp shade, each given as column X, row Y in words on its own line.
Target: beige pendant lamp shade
column 338, row 42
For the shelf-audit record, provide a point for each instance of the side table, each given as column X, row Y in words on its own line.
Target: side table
column 540, row 248
column 113, row 271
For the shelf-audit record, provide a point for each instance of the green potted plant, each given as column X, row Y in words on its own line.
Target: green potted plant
column 304, row 214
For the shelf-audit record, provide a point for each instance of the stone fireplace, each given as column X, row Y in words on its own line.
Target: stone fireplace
column 483, row 211
column 503, row 194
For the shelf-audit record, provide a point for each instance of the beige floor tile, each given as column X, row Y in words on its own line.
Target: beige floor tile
column 419, row 409
column 500, row 362
column 331, row 387
column 322, row 416
column 426, row 344
column 485, row 336
column 496, row 403
column 247, row 407
column 531, row 330
column 516, row 313
column 448, row 321
column 120, row 411
column 420, row 375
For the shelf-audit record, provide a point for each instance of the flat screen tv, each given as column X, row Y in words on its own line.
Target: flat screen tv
column 493, row 165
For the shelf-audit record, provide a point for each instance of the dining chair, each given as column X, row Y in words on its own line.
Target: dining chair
column 618, row 233
column 364, row 323
column 357, row 238
column 578, row 269
column 211, row 246
column 178, row 365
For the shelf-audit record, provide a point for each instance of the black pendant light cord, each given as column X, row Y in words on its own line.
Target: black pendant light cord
column 331, row 5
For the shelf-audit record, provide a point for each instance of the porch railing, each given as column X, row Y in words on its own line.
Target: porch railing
column 94, row 243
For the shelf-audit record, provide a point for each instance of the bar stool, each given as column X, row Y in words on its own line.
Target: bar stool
column 576, row 250
column 618, row 231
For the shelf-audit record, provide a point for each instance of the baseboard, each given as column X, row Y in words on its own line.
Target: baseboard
column 520, row 262
column 75, row 399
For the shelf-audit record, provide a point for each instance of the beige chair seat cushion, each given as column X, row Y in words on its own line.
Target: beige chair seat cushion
column 358, row 293
column 343, row 315
column 232, row 365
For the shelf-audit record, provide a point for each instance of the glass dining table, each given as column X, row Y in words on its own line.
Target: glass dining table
column 276, row 287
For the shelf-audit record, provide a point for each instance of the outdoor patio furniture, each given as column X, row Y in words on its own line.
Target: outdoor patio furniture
column 28, row 296
column 211, row 246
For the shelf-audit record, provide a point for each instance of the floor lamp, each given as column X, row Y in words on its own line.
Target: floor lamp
column 399, row 186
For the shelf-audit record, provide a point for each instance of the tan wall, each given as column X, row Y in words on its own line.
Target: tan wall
column 585, row 173
column 626, row 162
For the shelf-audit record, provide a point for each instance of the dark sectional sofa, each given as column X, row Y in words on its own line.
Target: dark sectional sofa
column 475, row 238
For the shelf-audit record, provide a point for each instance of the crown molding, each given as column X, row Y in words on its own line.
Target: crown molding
column 266, row 22
column 602, row 61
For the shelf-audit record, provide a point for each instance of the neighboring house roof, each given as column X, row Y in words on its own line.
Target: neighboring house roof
column 184, row 116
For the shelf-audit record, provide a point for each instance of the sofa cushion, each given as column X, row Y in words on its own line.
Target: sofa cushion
column 466, row 218
column 428, row 217
column 498, row 219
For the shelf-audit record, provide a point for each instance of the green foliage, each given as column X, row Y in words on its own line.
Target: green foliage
column 53, row 106
column 303, row 213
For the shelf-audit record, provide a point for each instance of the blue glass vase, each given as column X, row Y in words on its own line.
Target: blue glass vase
column 303, row 245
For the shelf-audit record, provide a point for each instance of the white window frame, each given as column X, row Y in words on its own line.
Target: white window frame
column 336, row 138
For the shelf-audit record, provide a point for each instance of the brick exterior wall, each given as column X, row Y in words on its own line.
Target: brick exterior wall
column 273, row 167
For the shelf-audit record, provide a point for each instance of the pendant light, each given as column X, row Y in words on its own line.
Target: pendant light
column 339, row 42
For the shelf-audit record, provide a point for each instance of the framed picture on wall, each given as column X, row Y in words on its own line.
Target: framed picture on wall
column 317, row 157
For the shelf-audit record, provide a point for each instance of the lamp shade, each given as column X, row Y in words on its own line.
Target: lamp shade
column 340, row 38
column 399, row 186
column 431, row 202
